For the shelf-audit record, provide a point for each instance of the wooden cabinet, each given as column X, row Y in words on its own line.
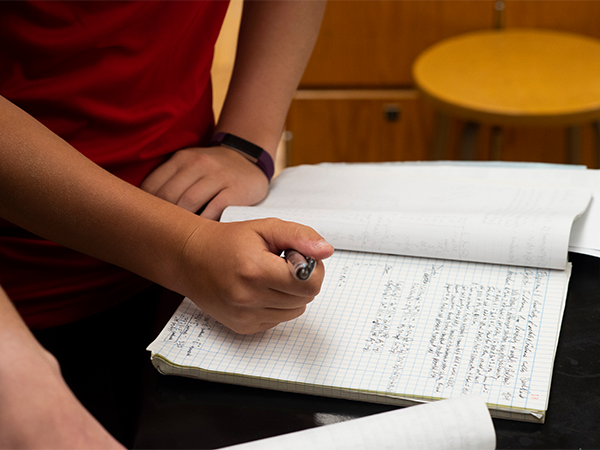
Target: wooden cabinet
column 360, row 72
column 357, row 125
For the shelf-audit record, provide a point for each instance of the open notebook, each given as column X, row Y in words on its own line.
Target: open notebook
column 475, row 308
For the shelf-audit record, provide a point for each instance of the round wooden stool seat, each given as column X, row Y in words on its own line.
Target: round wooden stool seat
column 513, row 77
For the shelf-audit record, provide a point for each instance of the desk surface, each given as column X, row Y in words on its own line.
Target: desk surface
column 186, row 413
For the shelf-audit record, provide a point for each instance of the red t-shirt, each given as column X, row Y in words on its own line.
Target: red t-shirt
column 126, row 84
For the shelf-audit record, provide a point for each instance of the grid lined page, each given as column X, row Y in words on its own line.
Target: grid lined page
column 388, row 326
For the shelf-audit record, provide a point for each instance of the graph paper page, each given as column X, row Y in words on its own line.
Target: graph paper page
column 395, row 326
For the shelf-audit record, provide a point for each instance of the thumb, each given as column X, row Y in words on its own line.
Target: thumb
column 281, row 235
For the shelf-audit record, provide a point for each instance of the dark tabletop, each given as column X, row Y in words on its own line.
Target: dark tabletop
column 179, row 412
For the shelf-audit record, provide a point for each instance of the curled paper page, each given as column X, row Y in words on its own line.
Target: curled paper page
column 365, row 208
column 459, row 423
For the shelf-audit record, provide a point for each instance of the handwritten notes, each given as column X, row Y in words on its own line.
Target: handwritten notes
column 392, row 329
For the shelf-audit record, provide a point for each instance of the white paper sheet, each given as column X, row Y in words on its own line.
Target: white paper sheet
column 417, row 211
column 462, row 424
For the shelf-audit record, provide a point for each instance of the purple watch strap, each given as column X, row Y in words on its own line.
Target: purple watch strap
column 255, row 153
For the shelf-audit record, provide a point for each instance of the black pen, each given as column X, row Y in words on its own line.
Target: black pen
column 300, row 266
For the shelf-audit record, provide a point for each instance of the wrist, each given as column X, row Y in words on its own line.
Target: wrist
column 250, row 151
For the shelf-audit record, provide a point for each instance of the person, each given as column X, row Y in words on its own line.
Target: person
column 105, row 156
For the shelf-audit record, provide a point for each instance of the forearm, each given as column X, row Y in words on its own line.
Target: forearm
column 50, row 189
column 37, row 408
column 15, row 337
column 275, row 42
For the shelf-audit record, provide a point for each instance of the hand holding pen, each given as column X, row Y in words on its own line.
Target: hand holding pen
column 238, row 277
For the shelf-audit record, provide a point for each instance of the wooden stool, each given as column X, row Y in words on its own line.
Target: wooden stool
column 512, row 77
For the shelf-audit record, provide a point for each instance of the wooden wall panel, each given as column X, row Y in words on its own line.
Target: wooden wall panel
column 576, row 16
column 373, row 43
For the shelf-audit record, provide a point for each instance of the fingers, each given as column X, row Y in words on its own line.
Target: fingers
column 207, row 179
column 250, row 322
column 281, row 235
column 265, row 281
column 158, row 177
column 281, row 279
column 183, row 181
column 286, row 297
column 215, row 207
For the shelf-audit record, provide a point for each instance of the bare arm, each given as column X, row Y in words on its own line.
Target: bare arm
column 38, row 410
column 232, row 271
column 49, row 188
column 275, row 42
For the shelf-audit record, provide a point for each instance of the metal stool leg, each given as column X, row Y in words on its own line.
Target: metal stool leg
column 468, row 145
column 441, row 136
column 596, row 126
column 574, row 138
column 496, row 144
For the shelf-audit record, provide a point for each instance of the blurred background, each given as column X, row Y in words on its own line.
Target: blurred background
column 358, row 102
